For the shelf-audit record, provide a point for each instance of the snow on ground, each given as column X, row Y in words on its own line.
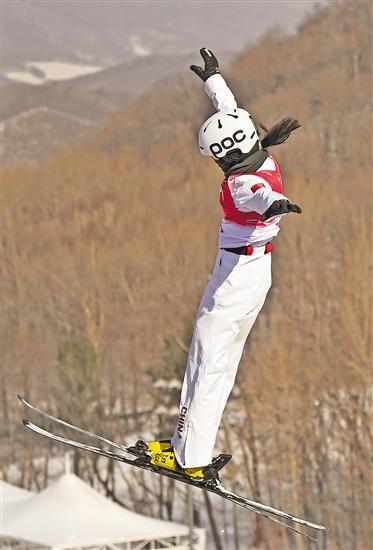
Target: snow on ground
column 38, row 72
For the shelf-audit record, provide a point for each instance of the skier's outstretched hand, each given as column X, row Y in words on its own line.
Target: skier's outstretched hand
column 280, row 207
column 211, row 65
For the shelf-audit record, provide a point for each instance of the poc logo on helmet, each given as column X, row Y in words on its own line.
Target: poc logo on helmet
column 227, row 143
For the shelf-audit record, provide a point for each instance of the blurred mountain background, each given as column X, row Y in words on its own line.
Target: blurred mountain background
column 108, row 33
column 110, row 240
column 83, row 60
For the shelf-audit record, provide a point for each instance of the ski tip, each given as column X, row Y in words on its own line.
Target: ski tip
column 26, row 422
column 20, row 397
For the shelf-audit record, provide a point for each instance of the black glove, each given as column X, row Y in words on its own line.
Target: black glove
column 277, row 208
column 211, row 65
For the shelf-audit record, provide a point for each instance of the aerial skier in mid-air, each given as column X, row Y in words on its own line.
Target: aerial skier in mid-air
column 253, row 203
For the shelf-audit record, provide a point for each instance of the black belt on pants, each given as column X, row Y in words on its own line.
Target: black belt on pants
column 249, row 249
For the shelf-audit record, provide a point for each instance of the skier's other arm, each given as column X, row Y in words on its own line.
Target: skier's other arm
column 252, row 193
column 215, row 85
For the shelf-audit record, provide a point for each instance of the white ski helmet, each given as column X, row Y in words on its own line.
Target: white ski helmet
column 227, row 130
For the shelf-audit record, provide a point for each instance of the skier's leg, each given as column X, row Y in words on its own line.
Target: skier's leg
column 235, row 355
column 224, row 320
column 204, row 399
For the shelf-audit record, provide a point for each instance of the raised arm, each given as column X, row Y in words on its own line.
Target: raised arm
column 215, row 85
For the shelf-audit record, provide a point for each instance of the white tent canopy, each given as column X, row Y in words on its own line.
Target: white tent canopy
column 10, row 494
column 10, row 497
column 70, row 514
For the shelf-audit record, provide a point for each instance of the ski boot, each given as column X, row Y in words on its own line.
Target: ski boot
column 163, row 456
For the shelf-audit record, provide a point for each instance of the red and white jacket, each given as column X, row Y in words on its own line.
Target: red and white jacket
column 245, row 196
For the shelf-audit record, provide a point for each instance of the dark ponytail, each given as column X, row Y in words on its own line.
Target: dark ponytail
column 279, row 132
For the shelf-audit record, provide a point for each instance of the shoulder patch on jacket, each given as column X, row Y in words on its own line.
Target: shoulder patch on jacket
column 257, row 186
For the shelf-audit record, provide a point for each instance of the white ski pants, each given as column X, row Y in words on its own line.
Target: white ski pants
column 232, row 300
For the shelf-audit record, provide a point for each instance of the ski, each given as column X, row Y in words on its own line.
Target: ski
column 131, row 451
column 78, row 429
column 143, row 461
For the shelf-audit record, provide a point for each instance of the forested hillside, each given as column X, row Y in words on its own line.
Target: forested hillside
column 108, row 247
